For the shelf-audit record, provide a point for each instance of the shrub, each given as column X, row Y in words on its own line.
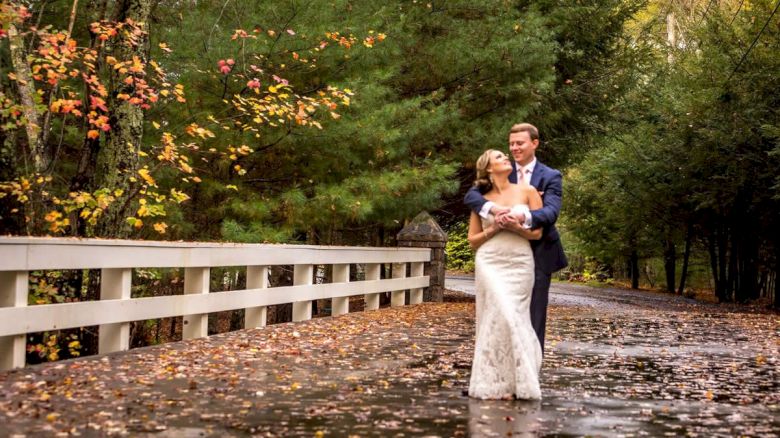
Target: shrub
column 460, row 256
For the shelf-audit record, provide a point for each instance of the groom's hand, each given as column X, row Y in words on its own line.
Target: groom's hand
column 498, row 211
column 509, row 220
column 513, row 218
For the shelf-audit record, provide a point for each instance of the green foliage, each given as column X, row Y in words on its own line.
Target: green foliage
column 426, row 88
column 691, row 151
column 460, row 256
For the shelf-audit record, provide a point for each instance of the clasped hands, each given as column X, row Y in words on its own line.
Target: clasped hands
column 506, row 219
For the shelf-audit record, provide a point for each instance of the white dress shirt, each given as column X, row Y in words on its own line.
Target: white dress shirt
column 523, row 173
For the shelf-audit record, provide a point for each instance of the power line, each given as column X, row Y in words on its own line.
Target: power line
column 706, row 11
column 736, row 13
column 753, row 44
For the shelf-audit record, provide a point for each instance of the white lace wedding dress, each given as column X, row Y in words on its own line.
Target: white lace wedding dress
column 507, row 354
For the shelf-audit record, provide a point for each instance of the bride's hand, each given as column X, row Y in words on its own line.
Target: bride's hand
column 508, row 220
column 499, row 211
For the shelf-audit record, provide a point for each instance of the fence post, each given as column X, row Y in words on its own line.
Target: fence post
column 424, row 232
column 302, row 274
column 340, row 305
column 13, row 293
column 398, row 297
column 256, row 278
column 196, row 281
column 373, row 272
column 416, row 294
column 115, row 284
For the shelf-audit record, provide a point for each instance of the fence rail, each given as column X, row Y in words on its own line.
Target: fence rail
column 116, row 308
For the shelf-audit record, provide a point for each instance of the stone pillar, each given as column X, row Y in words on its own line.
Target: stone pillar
column 424, row 232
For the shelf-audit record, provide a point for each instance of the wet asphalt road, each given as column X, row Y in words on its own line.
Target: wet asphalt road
column 618, row 363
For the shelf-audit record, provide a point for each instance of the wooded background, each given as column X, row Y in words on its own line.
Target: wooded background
column 335, row 122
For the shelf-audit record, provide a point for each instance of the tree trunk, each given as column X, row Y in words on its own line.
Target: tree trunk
column 27, row 93
column 686, row 258
column 763, row 282
column 671, row 35
column 634, row 268
column 732, row 282
column 117, row 160
column 713, row 253
column 748, row 245
column 775, row 284
column 722, row 288
column 670, row 263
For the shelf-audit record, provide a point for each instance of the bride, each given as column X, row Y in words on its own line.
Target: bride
column 507, row 354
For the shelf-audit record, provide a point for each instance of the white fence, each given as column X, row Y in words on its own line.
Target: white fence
column 117, row 258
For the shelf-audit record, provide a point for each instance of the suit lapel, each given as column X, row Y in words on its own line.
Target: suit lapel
column 513, row 175
column 536, row 176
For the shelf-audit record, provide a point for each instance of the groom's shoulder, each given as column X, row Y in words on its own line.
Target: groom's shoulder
column 546, row 168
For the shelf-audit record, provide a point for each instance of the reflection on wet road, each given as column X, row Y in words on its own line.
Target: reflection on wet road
column 618, row 363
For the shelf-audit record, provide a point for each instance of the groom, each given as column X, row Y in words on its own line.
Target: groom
column 548, row 251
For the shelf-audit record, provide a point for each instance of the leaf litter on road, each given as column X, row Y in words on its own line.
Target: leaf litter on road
column 617, row 363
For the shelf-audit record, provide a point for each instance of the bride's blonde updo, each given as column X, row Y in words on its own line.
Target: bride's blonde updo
column 483, row 182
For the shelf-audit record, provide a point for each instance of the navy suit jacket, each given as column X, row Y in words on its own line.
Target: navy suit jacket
column 548, row 251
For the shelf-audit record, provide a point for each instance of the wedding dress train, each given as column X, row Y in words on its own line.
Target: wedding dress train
column 507, row 354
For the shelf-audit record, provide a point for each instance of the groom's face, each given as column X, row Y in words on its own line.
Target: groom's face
column 522, row 148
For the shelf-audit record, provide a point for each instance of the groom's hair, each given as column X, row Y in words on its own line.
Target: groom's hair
column 525, row 127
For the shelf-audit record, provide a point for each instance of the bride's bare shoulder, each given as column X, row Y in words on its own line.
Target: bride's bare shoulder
column 528, row 188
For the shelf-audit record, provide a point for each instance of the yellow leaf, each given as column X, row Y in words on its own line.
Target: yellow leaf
column 179, row 196
column 53, row 216
column 144, row 173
